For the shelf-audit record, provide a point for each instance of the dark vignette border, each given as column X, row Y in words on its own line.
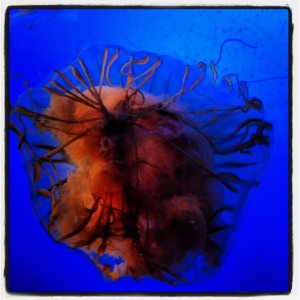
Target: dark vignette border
column 290, row 165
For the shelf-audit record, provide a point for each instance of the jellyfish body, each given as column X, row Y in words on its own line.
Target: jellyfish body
column 135, row 156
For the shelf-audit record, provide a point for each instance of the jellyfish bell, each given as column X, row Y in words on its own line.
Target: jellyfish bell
column 142, row 159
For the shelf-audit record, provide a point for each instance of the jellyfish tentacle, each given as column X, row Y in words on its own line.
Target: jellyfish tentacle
column 69, row 95
column 153, row 67
column 55, row 185
column 70, row 84
column 257, row 138
column 165, row 103
column 70, row 141
column 45, row 147
column 103, row 109
column 215, row 75
column 142, row 61
column 19, row 134
column 104, row 59
column 224, row 112
column 131, row 78
column 216, row 229
column 149, row 73
column 214, row 251
column 243, row 91
column 224, row 177
column 58, row 183
column 211, row 243
column 37, row 165
column 131, row 62
column 229, row 41
column 168, row 271
column 185, row 75
column 82, row 226
column 52, row 198
column 128, row 74
column 240, row 144
column 201, row 76
column 98, row 233
column 176, row 97
column 228, row 81
column 138, row 91
column 219, row 211
column 80, row 78
column 58, row 129
column 107, row 226
column 28, row 113
column 109, row 65
column 22, row 136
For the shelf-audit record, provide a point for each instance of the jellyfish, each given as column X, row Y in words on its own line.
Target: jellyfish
column 142, row 161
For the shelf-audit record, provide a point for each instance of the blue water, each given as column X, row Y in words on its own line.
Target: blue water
column 43, row 40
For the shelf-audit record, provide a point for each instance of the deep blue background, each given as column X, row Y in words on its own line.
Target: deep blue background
column 43, row 40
